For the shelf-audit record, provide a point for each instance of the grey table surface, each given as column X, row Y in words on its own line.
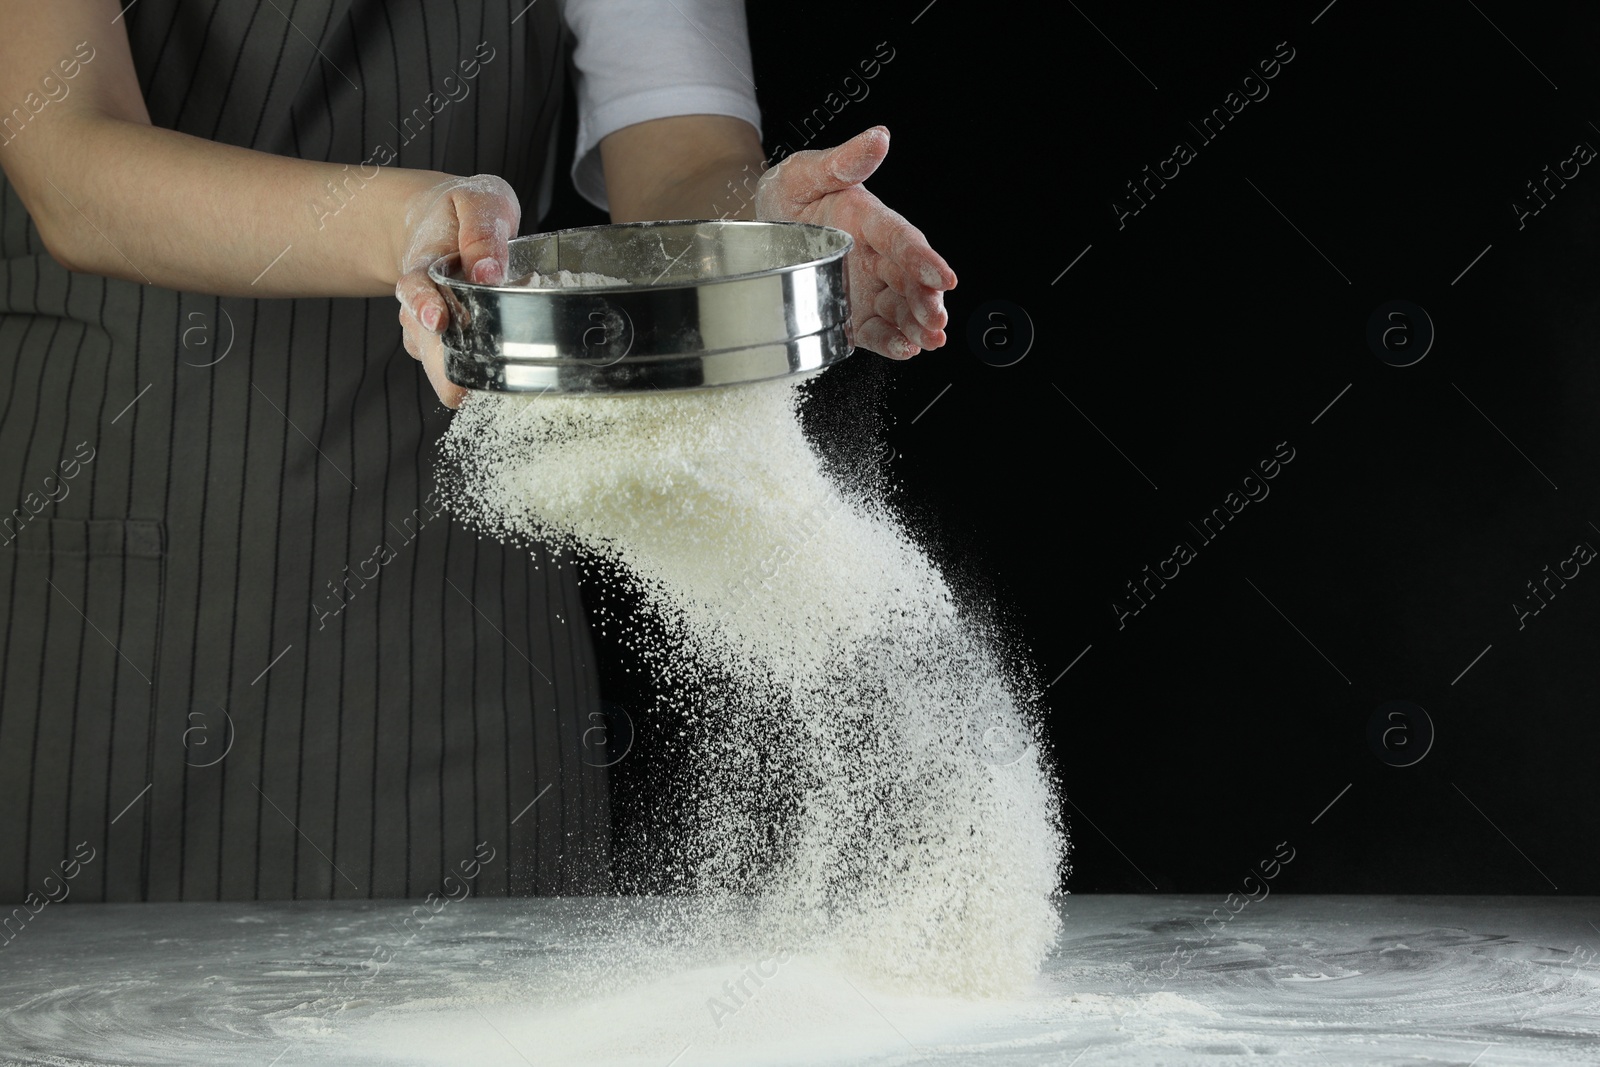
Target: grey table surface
column 1134, row 980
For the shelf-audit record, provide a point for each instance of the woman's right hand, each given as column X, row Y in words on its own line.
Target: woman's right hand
column 473, row 216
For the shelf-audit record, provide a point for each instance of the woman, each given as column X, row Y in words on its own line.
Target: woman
column 245, row 656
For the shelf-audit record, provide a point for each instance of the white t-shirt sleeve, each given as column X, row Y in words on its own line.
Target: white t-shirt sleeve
column 649, row 59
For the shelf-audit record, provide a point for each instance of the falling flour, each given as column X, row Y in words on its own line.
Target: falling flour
column 866, row 783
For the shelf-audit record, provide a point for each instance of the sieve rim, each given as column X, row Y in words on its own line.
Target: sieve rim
column 846, row 244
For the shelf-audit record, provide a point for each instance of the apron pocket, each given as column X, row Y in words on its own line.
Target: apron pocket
column 82, row 600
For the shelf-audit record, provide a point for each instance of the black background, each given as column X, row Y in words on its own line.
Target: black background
column 1218, row 322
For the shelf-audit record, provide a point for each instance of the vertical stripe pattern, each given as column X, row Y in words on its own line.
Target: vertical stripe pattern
column 242, row 656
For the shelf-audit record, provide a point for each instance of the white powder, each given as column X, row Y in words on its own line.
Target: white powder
column 866, row 783
column 564, row 279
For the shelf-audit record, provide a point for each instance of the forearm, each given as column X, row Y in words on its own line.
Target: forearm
column 685, row 167
column 186, row 213
column 724, row 188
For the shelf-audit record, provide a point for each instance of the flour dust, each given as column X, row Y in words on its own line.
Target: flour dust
column 866, row 781
column 565, row 279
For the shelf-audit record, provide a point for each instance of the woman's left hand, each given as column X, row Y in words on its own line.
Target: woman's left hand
column 897, row 281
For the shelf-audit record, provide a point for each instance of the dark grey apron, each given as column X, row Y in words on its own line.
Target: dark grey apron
column 243, row 655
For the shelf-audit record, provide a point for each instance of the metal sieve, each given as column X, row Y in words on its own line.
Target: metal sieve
column 705, row 304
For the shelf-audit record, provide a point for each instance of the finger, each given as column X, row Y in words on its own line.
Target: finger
column 816, row 174
column 410, row 334
column 892, row 308
column 487, row 213
column 927, row 304
column 894, row 237
column 872, row 296
column 450, row 394
column 895, row 309
column 420, row 297
column 876, row 335
column 428, row 350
